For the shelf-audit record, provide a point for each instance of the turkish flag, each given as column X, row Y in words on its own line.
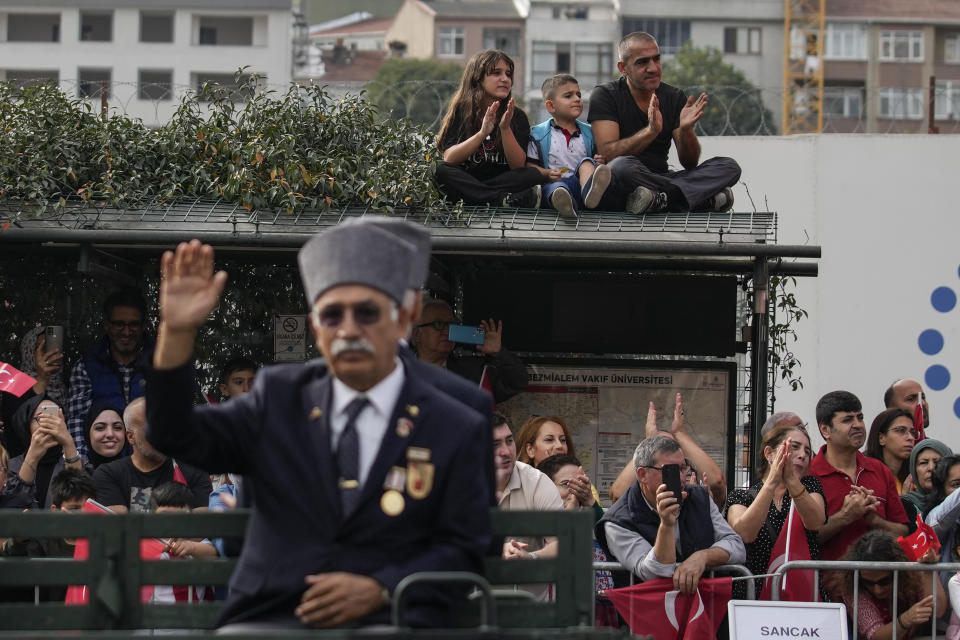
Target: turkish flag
column 14, row 381
column 656, row 608
column 791, row 544
column 917, row 543
column 150, row 549
column 918, row 422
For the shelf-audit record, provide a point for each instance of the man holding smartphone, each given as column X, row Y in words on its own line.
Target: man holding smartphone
column 658, row 534
column 435, row 344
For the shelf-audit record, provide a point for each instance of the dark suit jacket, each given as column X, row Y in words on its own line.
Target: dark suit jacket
column 278, row 436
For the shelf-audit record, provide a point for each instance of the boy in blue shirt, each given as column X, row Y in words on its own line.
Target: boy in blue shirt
column 564, row 151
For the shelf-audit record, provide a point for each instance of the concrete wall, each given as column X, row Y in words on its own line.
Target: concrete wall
column 884, row 210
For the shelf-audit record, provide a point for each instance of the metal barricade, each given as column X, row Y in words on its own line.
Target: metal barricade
column 896, row 567
column 742, row 574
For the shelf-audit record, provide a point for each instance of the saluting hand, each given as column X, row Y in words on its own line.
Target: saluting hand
column 189, row 289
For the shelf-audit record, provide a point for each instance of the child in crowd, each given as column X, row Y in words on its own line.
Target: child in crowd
column 484, row 137
column 236, row 377
column 69, row 490
column 173, row 497
column 565, row 151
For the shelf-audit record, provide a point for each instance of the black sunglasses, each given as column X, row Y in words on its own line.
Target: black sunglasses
column 882, row 582
column 364, row 313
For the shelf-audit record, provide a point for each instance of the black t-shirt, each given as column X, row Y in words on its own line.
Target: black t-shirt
column 613, row 101
column 120, row 482
column 489, row 160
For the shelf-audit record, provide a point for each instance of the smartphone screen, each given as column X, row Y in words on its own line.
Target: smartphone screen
column 465, row 334
column 671, row 478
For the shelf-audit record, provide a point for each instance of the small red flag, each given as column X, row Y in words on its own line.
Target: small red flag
column 918, row 422
column 655, row 607
column 178, row 475
column 14, row 381
column 917, row 543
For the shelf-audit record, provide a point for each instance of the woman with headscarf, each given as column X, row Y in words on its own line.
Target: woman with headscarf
column 45, row 367
column 104, row 434
column 40, row 422
column 923, row 460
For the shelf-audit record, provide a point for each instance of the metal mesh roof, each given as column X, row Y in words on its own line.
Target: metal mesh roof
column 217, row 216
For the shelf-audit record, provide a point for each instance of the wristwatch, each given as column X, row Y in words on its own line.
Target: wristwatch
column 533, row 555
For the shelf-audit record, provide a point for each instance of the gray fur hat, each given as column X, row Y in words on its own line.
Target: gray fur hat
column 415, row 234
column 360, row 254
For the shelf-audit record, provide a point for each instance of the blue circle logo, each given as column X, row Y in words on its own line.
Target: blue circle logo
column 931, row 342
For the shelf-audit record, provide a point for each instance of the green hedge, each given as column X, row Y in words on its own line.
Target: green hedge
column 277, row 151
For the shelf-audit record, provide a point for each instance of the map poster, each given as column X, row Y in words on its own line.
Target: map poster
column 605, row 407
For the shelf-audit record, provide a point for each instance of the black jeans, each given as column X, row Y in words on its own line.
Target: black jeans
column 454, row 182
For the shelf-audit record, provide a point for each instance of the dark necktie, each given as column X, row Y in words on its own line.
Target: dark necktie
column 348, row 457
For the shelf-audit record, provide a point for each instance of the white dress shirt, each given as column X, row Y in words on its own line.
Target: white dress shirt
column 373, row 419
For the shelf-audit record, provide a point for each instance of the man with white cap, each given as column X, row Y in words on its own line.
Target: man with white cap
column 361, row 472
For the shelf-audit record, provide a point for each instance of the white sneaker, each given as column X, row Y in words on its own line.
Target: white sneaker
column 723, row 201
column 562, row 201
column 596, row 186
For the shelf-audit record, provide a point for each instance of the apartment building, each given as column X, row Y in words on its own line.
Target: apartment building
column 453, row 30
column 144, row 53
column 579, row 38
column 879, row 59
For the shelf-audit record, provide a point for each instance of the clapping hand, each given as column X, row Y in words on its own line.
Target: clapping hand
column 692, row 111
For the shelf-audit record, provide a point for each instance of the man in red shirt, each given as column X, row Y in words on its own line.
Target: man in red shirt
column 861, row 492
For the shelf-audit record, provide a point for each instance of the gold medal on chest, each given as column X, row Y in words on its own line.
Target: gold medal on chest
column 392, row 503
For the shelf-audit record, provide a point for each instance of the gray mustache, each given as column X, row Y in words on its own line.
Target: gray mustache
column 341, row 345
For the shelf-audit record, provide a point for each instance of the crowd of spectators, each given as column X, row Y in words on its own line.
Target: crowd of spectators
column 850, row 504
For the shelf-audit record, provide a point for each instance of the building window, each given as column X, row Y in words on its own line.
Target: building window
column 951, row 49
column 155, row 84
column 741, row 40
column 24, row 77
column 897, row 103
column 450, row 41
column 96, row 26
column 506, row 40
column 241, row 88
column 156, row 27
column 225, row 31
column 670, row 34
column 901, row 45
column 593, row 63
column 549, row 58
column 33, row 27
column 93, row 83
column 843, row 102
column 845, row 42
column 946, row 105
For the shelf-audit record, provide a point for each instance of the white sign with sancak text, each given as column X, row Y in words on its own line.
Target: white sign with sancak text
column 289, row 338
column 756, row 620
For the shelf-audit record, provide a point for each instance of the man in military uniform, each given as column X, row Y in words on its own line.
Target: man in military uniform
column 361, row 472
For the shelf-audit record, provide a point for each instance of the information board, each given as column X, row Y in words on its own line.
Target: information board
column 605, row 407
